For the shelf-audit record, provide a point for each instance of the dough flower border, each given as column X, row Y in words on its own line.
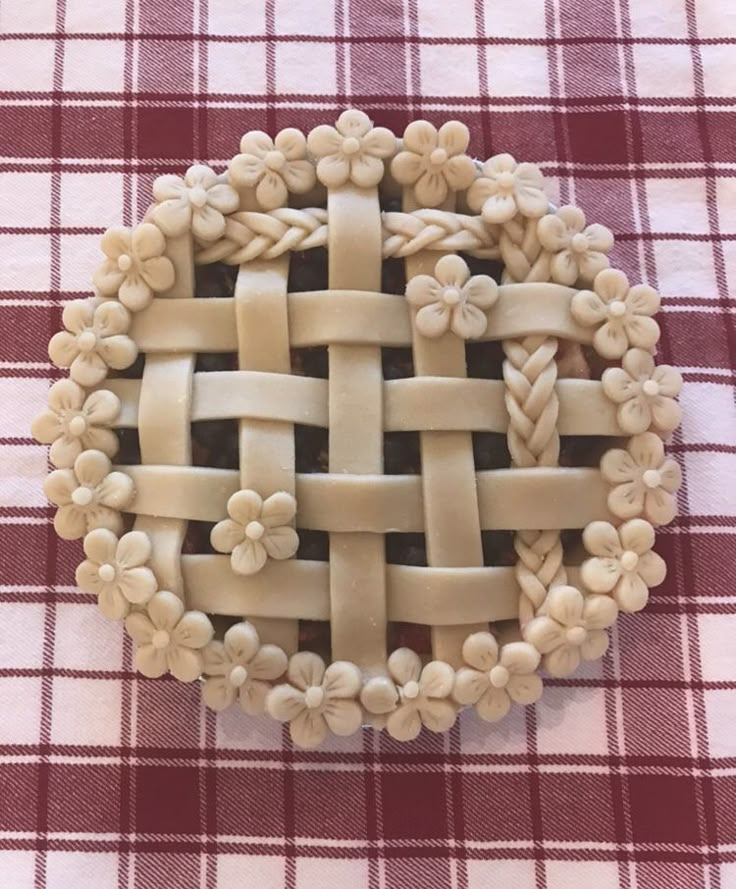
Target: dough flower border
column 226, row 618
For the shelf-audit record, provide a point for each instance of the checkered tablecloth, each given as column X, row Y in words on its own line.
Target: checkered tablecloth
column 624, row 776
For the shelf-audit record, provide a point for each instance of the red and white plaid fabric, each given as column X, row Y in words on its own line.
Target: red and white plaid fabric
column 623, row 776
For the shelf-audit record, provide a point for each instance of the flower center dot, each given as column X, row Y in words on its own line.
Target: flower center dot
column 576, row 635
column 106, row 572
column 77, row 426
column 275, row 160
column 411, row 689
column 238, row 675
column 124, row 262
column 254, row 530
column 160, row 639
column 438, row 157
column 351, row 145
column 197, row 196
column 650, row 388
column 314, row 696
column 617, row 308
column 451, row 296
column 579, row 243
column 505, row 180
column 629, row 560
column 87, row 341
column 499, row 676
column 82, row 496
column 652, row 478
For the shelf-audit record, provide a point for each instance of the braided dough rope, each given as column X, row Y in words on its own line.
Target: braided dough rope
column 147, row 301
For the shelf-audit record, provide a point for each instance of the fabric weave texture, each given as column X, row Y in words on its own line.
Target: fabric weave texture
column 623, row 775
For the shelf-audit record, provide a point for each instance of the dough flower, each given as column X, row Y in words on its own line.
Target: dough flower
column 240, row 668
column 115, row 570
column 573, row 628
column 644, row 393
column 89, row 496
column 274, row 167
column 506, row 188
column 414, row 696
column 351, row 151
column 621, row 314
column 168, row 638
column 493, row 679
column 135, row 267
column 451, row 300
column 579, row 250
column 644, row 480
column 624, row 564
column 256, row 530
column 434, row 162
column 76, row 422
column 316, row 700
column 198, row 202
column 95, row 339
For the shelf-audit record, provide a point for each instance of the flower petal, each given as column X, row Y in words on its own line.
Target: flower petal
column 87, row 576
column 165, row 609
column 117, row 352
column 610, row 340
column 167, row 188
column 599, row 612
column 404, row 665
column 564, row 267
column 407, row 167
column 433, row 320
column 65, row 395
column 563, row 661
column 257, row 143
column 248, row 557
column 147, row 240
column 63, row 348
column 58, row 486
column 241, row 642
column 246, row 169
column 670, row 474
column 454, row 137
column 459, row 172
column 333, row 170
column 468, row 322
column 308, row 729
column 306, row 669
column 436, row 679
column 115, row 490
column 659, row 506
column 422, row 290
column 642, row 332
column 324, row 140
column 480, row 650
column 173, row 217
column 215, row 659
column 271, row 191
column 200, row 175
column 637, row 535
column 158, row 272
column 112, row 603
column 87, row 369
column 437, row 715
column 600, row 240
column 544, row 634
column 252, row 697
column 342, row 680
column 600, row 575
column 595, row 646
column 366, row 170
column 278, row 509
column 626, row 500
column 519, row 658
column 292, row 143
column 135, row 294
column 116, row 241
column 591, row 263
column 226, row 535
column 343, row 717
column 223, row 198
column 420, row 137
column 208, row 224
column 139, row 627
column 150, row 661
column 643, row 300
column 631, row 593
column 194, row 630
column 470, row 686
column 46, row 427
column 379, row 142
column 565, row 605
column 137, row 585
column 480, row 191
column 525, row 688
column 452, row 271
column 101, row 407
column 269, row 662
column 404, row 724
column 218, row 694
column 430, row 189
column 553, row 233
column 65, row 450
column 284, row 702
column 498, row 208
column 280, row 543
column 493, row 705
column 638, row 364
column 299, row 176
column 184, row 664
column 379, row 695
column 666, row 413
column 635, row 415
column 481, row 291
column 652, row 568
column 245, row 506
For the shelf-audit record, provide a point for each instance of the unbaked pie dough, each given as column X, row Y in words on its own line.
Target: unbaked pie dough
column 407, row 442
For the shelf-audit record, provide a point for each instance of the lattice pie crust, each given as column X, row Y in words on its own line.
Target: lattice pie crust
column 496, row 570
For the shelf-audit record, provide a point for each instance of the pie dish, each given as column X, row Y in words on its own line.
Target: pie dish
column 387, row 432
